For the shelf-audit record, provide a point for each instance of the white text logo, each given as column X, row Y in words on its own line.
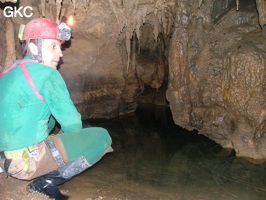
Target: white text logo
column 16, row 12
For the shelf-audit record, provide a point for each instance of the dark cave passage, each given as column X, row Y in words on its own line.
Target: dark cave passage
column 150, row 60
column 155, row 159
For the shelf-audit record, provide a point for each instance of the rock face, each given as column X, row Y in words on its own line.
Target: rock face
column 94, row 66
column 216, row 56
column 217, row 75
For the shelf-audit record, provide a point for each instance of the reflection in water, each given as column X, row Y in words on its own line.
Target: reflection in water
column 155, row 159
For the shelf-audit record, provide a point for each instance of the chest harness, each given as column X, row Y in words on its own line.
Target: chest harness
column 27, row 152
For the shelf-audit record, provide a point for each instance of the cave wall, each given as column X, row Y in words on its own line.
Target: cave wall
column 217, row 74
column 215, row 50
column 94, row 65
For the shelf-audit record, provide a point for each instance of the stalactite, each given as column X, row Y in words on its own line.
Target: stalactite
column 131, row 16
column 58, row 10
column 164, row 23
column 156, row 28
column 128, row 46
column 237, row 4
column 160, row 6
column 200, row 2
column 261, row 7
column 74, row 5
column 43, row 2
column 139, row 24
column 118, row 11
column 227, row 3
column 10, row 43
column 134, row 52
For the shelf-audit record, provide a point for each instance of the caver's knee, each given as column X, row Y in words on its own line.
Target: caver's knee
column 98, row 134
column 102, row 134
column 93, row 141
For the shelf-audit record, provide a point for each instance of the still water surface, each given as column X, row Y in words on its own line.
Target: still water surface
column 155, row 159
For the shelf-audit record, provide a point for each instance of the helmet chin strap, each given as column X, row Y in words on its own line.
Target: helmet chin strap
column 39, row 56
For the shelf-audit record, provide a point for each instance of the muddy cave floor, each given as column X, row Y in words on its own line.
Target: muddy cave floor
column 154, row 159
column 12, row 189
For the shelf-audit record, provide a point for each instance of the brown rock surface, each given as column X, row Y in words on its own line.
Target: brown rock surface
column 216, row 57
column 217, row 77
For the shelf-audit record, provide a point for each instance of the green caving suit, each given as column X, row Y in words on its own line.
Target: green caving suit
column 25, row 120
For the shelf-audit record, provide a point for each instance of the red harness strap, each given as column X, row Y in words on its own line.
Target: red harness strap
column 26, row 75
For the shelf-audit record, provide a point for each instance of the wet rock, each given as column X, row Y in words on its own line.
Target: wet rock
column 216, row 57
column 217, row 77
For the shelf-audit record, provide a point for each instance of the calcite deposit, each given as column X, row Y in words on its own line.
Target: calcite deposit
column 208, row 55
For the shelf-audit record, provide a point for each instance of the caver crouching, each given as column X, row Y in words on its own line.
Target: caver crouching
column 33, row 96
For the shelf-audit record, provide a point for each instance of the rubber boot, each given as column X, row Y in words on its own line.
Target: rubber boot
column 47, row 184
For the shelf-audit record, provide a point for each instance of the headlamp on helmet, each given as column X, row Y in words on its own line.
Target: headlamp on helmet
column 64, row 31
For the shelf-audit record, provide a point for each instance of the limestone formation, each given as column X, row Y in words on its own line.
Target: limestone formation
column 210, row 54
column 217, row 76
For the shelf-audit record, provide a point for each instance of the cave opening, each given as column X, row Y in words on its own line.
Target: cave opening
column 152, row 67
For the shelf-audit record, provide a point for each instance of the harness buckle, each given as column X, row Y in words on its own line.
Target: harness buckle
column 2, row 155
